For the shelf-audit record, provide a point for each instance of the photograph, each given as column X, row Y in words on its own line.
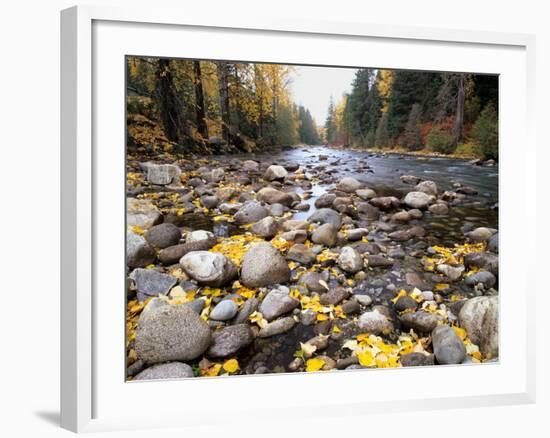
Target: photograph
column 285, row 218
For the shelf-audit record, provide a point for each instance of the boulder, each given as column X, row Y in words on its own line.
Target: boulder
column 453, row 273
column 266, row 227
column 479, row 317
column 208, row 268
column 277, row 327
column 417, row 359
column 247, row 309
column 163, row 235
column 420, row 322
column 141, row 213
column 170, row 370
column 263, row 265
column 199, row 236
column 438, row 208
column 410, row 179
column 375, row 323
column 150, row 283
column 251, row 211
column 334, row 296
column 171, row 333
column 313, row 281
column 277, row 302
column 418, row 200
column 447, row 346
column 325, row 234
column 482, row 260
column 269, row 195
column 275, row 172
column 385, row 202
column 230, row 340
column 325, row 200
column 481, row 234
column 350, row 260
column 162, row 174
column 224, row 310
column 365, row 194
column 356, row 234
column 326, row 216
column 138, row 252
column 301, row 253
column 348, row 185
column 173, row 254
column 251, row 166
column 428, row 187
column 487, row 279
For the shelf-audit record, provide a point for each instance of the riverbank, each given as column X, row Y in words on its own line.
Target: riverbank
column 309, row 259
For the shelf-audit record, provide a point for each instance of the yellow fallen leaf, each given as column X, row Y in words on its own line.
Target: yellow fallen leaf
column 336, row 329
column 314, row 364
column 231, row 365
column 365, row 358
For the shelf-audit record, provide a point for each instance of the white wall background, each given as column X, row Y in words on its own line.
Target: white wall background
column 29, row 213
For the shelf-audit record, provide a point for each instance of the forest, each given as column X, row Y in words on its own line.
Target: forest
column 224, row 107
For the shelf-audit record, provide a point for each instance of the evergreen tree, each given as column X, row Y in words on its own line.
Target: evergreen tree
column 485, row 131
column 382, row 137
column 412, row 135
column 330, row 126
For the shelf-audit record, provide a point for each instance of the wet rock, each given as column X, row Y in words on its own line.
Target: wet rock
column 405, row 303
column 277, row 327
column 334, row 296
column 375, row 323
column 230, row 340
column 417, row 359
column 302, row 206
column 141, row 213
column 325, row 234
column 138, row 252
column 409, row 233
column 251, row 166
column 325, row 200
column 348, row 185
column 171, row 370
column 369, row 211
column 251, row 211
column 479, row 317
column 356, row 234
column 301, row 253
column 314, row 281
column 163, row 235
column 208, row 268
column 410, row 179
column 276, row 210
column 263, row 265
column 277, row 302
column 173, row 254
column 297, row 236
column 438, row 208
column 275, row 172
column 492, row 245
column 266, row 227
column 326, row 216
column 420, row 322
column 418, row 200
column 379, row 261
column 350, row 260
column 487, row 279
column 385, row 202
column 162, row 174
column 247, row 309
column 292, row 225
column 482, row 260
column 171, row 333
column 448, row 347
column 150, row 283
column 481, row 234
column 401, row 217
column 224, row 310
column 428, row 187
column 415, row 213
column 453, row 273
column 366, row 194
column 269, row 195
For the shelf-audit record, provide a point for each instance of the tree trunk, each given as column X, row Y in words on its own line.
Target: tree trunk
column 459, row 117
column 223, row 87
column 169, row 105
column 199, row 101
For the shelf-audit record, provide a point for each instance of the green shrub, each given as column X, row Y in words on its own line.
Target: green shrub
column 440, row 141
column 485, row 132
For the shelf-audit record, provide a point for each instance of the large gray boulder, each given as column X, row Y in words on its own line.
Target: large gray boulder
column 418, row 200
column 163, row 235
column 170, row 370
column 173, row 254
column 326, row 216
column 229, row 340
column 266, row 227
column 151, row 283
column 428, row 187
column 141, row 213
column 325, row 234
column 224, row 310
column 448, row 347
column 348, row 185
column 420, row 322
column 138, row 252
column 171, row 333
column 277, row 303
column 482, row 260
column 480, row 234
column 275, row 172
column 251, row 211
column 208, row 268
column 269, row 195
column 263, row 265
column 162, row 174
column 277, row 327
column 375, row 323
column 479, row 317
column 350, row 260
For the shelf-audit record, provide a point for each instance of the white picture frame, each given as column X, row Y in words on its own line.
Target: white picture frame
column 92, row 389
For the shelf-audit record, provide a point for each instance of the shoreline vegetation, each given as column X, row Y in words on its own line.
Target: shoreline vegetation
column 245, row 258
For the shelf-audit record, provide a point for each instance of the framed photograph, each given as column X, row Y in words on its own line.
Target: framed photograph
column 249, row 207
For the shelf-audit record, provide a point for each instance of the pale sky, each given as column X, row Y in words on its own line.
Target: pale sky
column 313, row 86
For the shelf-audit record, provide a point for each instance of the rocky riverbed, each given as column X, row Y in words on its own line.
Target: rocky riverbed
column 309, row 259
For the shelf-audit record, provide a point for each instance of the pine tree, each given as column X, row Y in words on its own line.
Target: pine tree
column 485, row 131
column 412, row 135
column 330, row 127
column 382, row 137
